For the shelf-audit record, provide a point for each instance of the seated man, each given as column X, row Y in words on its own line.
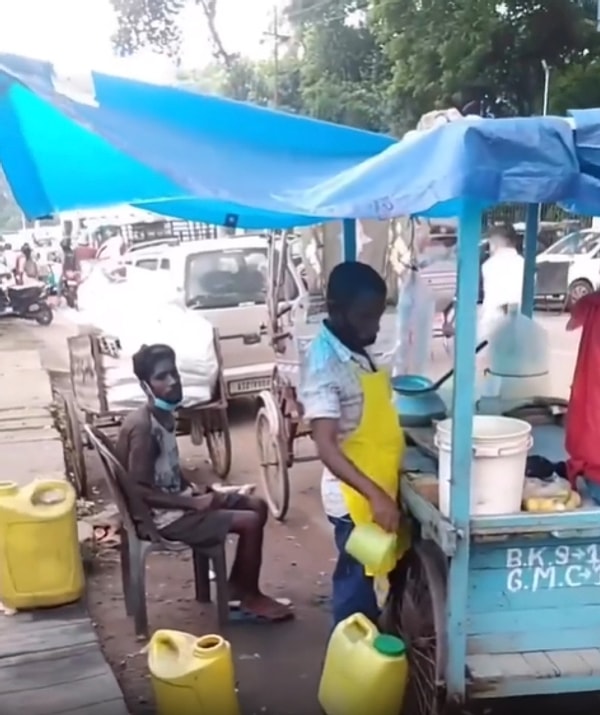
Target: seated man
column 147, row 448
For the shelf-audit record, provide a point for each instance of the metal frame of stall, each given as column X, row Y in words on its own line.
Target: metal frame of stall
column 502, row 635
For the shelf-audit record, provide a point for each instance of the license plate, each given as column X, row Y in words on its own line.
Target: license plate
column 246, row 387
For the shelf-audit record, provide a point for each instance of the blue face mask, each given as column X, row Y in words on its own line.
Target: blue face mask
column 160, row 403
column 164, row 405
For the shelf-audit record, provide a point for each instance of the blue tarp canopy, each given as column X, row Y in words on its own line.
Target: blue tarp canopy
column 66, row 146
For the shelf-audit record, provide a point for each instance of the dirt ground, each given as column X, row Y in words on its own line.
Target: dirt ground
column 277, row 666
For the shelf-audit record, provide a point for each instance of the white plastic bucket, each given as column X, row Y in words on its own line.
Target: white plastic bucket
column 500, row 446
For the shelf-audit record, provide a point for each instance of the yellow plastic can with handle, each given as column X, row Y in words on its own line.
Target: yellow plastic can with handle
column 41, row 564
column 364, row 670
column 191, row 675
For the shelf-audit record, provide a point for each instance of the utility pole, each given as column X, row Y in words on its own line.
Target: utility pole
column 546, row 100
column 277, row 38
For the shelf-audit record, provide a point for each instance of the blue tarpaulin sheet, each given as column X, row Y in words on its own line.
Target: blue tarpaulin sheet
column 206, row 158
column 587, row 139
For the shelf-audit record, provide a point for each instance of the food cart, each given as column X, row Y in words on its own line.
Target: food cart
column 204, row 423
column 490, row 606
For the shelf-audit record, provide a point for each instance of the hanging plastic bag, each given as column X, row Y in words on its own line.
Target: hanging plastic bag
column 415, row 315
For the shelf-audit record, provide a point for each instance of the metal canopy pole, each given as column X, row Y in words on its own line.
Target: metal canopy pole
column 349, row 245
column 463, row 405
column 530, row 252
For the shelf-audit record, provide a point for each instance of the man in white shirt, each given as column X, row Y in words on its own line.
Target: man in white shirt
column 502, row 275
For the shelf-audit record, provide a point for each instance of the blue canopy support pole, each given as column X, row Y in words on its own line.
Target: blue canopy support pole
column 530, row 252
column 462, row 427
column 349, row 246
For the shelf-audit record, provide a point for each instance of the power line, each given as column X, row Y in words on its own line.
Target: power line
column 277, row 38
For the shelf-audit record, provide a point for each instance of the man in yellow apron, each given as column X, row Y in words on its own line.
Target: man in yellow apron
column 348, row 402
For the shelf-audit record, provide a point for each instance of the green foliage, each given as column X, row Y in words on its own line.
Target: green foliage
column 380, row 64
column 344, row 74
column 576, row 86
column 151, row 23
column 451, row 52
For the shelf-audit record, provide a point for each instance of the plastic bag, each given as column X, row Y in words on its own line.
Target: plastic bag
column 415, row 314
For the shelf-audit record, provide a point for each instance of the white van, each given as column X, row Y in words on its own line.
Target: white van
column 225, row 278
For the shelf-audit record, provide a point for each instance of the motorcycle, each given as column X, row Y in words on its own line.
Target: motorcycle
column 28, row 302
column 70, row 287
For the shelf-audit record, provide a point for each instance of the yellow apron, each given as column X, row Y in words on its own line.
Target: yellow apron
column 376, row 448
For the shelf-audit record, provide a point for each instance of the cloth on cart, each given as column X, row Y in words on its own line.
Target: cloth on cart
column 582, row 423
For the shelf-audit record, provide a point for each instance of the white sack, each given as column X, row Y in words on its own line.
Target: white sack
column 142, row 309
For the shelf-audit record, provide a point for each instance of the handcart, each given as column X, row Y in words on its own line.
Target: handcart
column 292, row 325
column 496, row 606
column 88, row 353
column 490, row 607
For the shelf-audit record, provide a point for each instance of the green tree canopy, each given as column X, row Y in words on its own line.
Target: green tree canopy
column 344, row 72
column 380, row 64
column 452, row 52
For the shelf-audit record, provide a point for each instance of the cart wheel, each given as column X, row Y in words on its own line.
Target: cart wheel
column 73, row 446
column 273, row 464
column 218, row 442
column 415, row 611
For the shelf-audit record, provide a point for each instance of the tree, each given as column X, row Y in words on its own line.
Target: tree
column 451, row 52
column 154, row 23
column 143, row 23
column 343, row 71
column 576, row 86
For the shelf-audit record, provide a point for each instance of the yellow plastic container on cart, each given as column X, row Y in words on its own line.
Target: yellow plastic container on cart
column 191, row 675
column 40, row 563
column 364, row 671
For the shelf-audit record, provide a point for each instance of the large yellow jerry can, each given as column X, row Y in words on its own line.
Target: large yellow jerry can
column 192, row 676
column 364, row 671
column 40, row 564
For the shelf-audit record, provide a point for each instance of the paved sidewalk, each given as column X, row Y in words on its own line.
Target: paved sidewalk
column 50, row 660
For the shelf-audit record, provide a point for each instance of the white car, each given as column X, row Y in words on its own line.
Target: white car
column 570, row 268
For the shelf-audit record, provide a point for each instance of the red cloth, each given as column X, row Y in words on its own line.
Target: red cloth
column 583, row 415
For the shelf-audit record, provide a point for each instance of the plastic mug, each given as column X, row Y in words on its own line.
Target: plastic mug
column 372, row 546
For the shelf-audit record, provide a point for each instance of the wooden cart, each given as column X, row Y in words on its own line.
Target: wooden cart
column 88, row 401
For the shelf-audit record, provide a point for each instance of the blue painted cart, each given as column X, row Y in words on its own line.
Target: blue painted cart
column 502, row 606
column 497, row 606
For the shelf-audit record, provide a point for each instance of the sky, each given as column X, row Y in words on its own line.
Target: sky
column 77, row 32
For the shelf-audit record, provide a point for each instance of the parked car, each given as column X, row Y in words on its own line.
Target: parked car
column 549, row 232
column 570, row 268
column 225, row 278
